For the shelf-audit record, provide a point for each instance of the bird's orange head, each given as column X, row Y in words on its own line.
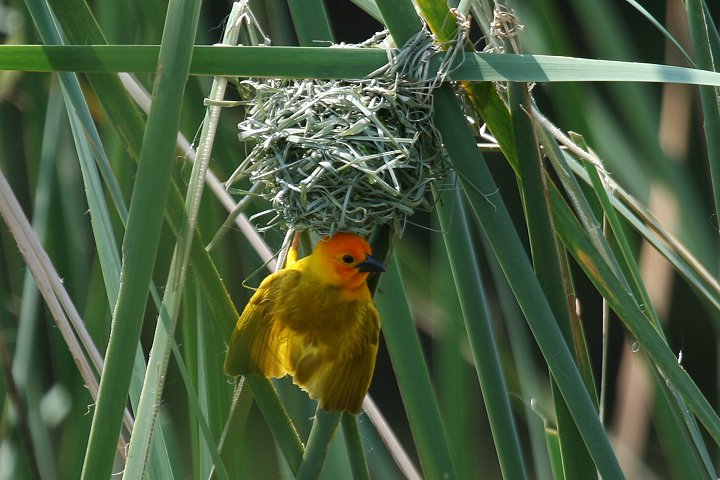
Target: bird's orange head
column 345, row 260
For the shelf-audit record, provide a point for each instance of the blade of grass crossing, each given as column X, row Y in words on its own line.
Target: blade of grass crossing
column 90, row 152
column 82, row 127
column 668, row 36
column 584, row 212
column 704, row 462
column 676, row 253
column 632, row 272
column 80, row 28
column 110, row 261
column 621, row 299
column 143, row 231
column 682, row 460
column 631, row 267
column 79, row 115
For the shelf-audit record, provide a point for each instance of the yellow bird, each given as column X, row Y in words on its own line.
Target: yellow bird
column 315, row 320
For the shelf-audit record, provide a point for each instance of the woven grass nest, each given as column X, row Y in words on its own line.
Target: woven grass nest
column 341, row 155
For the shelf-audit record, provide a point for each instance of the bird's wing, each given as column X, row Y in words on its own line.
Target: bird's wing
column 258, row 339
column 339, row 375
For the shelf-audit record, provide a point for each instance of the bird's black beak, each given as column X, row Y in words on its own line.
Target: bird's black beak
column 370, row 264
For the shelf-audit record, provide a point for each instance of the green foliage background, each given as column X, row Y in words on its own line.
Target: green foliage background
column 531, row 329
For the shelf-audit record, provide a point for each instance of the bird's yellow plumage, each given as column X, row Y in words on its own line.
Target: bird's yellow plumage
column 315, row 320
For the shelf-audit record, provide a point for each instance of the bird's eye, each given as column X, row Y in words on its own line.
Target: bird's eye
column 348, row 259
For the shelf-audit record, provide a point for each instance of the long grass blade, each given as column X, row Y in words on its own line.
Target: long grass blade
column 358, row 463
column 670, row 38
column 220, row 470
column 47, row 280
column 629, row 266
column 488, row 207
column 530, row 387
column 345, row 63
column 318, row 444
column 22, row 385
column 624, row 304
column 278, row 420
column 620, row 120
column 143, row 231
column 547, row 262
column 413, row 378
column 480, row 332
column 312, row 23
column 690, row 267
column 701, row 32
column 230, row 441
column 91, row 153
column 394, row 447
column 165, row 327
